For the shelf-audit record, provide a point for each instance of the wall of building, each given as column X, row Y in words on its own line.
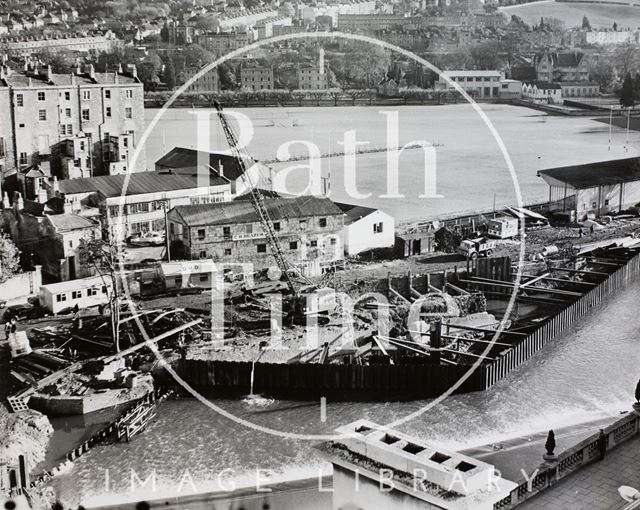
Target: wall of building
column 37, row 140
column 361, row 235
column 242, row 241
column 21, row 286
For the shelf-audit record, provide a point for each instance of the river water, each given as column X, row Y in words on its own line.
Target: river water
column 587, row 374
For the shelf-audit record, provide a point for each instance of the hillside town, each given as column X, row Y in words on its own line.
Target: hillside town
column 141, row 272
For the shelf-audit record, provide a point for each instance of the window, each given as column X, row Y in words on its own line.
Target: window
column 314, row 243
column 178, row 281
column 92, row 291
column 107, row 94
column 67, row 96
column 303, row 223
column 42, row 96
column 129, row 94
column 104, row 289
column 204, row 277
column 86, row 95
column 377, row 228
column 594, row 205
column 203, row 254
column 69, row 129
column 23, row 159
column 333, row 241
column 226, row 231
column 606, row 202
column 227, row 251
column 71, row 243
column 128, row 112
column 76, row 294
column 67, row 113
column 86, row 115
column 323, row 222
column 21, row 125
column 42, row 114
column 293, row 245
column 19, row 100
column 82, row 146
column 262, row 248
column 276, row 226
column 61, row 297
column 201, row 234
column 107, row 111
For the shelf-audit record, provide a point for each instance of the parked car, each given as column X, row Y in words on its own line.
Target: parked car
column 146, row 239
column 23, row 312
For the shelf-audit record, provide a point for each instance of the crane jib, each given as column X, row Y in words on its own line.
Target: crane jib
column 257, row 200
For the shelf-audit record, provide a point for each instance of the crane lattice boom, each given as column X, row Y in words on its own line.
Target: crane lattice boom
column 257, row 200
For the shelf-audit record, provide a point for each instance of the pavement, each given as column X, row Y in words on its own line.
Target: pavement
column 594, row 487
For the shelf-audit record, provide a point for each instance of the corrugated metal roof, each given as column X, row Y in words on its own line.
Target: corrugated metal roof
column 595, row 174
column 139, row 183
column 224, row 213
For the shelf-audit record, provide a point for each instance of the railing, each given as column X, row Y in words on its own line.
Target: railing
column 572, row 460
column 496, row 370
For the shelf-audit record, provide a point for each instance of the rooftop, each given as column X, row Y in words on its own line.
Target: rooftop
column 15, row 79
column 183, row 161
column 595, row 174
column 70, row 221
column 354, row 213
column 224, row 213
column 139, row 184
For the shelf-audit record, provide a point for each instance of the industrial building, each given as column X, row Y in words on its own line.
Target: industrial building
column 308, row 228
column 594, row 188
column 129, row 204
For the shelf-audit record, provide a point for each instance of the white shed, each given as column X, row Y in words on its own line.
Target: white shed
column 85, row 292
column 366, row 228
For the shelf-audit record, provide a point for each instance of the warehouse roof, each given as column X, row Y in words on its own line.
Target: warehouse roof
column 224, row 213
column 181, row 160
column 590, row 175
column 139, row 183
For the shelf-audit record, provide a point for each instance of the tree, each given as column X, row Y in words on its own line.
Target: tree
column 550, row 444
column 627, row 98
column 626, row 57
column 486, row 55
column 207, row 23
column 585, row 23
column 105, row 258
column 169, row 74
column 615, row 26
column 638, row 392
column 602, row 72
column 9, row 258
column 196, row 56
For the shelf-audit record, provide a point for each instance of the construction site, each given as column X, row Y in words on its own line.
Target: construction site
column 414, row 325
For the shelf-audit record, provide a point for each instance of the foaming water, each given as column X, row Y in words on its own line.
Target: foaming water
column 587, row 374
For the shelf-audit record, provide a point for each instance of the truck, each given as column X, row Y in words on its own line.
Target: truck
column 503, row 227
column 479, row 247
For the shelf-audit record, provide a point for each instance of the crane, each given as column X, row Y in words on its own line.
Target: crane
column 257, row 200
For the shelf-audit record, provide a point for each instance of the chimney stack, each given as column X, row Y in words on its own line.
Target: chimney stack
column 134, row 71
column 5, row 201
column 92, row 72
column 49, row 73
